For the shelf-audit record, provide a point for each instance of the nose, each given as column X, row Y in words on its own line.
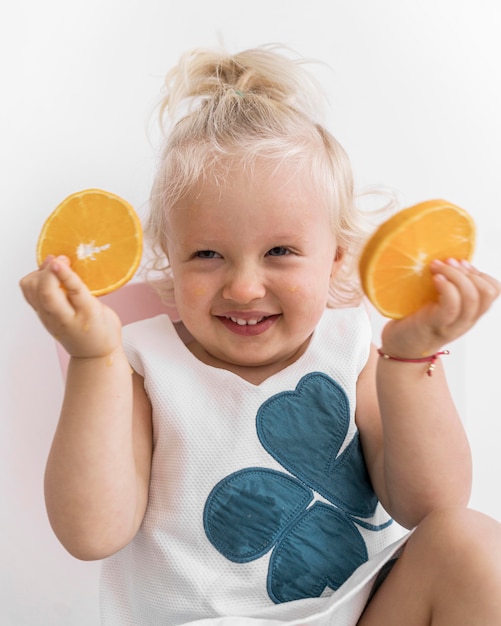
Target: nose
column 244, row 284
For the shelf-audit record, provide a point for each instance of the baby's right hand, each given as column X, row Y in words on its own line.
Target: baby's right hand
column 79, row 321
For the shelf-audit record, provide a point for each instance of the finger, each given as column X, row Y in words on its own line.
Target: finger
column 489, row 289
column 47, row 261
column 449, row 306
column 28, row 286
column 51, row 291
column 467, row 290
column 49, row 297
column 74, row 288
column 42, row 290
column 479, row 290
column 476, row 292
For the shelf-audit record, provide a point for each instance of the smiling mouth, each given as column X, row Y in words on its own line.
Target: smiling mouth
column 249, row 325
column 250, row 322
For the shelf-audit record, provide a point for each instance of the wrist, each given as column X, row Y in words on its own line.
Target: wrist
column 429, row 360
column 409, row 345
column 108, row 358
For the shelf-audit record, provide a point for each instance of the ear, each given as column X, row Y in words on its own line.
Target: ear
column 337, row 262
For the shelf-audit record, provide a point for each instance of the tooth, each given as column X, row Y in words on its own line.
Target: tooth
column 241, row 322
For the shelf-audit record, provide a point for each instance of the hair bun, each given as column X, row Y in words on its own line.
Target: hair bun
column 269, row 72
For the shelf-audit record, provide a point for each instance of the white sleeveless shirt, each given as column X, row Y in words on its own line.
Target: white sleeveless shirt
column 260, row 506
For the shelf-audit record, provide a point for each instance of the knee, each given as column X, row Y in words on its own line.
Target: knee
column 456, row 537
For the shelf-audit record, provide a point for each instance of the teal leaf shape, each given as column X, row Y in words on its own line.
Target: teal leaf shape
column 304, row 430
column 247, row 511
column 321, row 549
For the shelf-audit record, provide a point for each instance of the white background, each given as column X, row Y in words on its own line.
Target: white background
column 415, row 99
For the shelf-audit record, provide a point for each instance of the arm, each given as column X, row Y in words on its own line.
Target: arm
column 97, row 473
column 413, row 439
column 414, row 442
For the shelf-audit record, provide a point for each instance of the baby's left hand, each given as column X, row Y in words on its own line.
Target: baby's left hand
column 464, row 295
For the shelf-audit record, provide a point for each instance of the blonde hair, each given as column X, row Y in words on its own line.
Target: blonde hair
column 220, row 109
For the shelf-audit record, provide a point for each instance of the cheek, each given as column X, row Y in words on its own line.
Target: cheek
column 189, row 290
column 310, row 285
column 198, row 291
column 192, row 294
column 308, row 294
column 304, row 298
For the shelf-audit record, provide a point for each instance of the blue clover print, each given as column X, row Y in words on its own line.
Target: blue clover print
column 315, row 544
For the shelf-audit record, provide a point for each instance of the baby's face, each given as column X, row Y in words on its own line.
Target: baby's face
column 252, row 262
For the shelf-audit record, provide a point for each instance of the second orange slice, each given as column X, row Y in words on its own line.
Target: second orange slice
column 394, row 265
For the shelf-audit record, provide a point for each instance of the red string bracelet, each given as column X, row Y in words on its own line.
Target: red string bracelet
column 426, row 359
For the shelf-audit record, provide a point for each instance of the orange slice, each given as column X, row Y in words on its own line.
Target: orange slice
column 394, row 265
column 100, row 233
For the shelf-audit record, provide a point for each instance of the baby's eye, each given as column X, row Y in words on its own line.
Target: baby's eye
column 278, row 251
column 207, row 254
